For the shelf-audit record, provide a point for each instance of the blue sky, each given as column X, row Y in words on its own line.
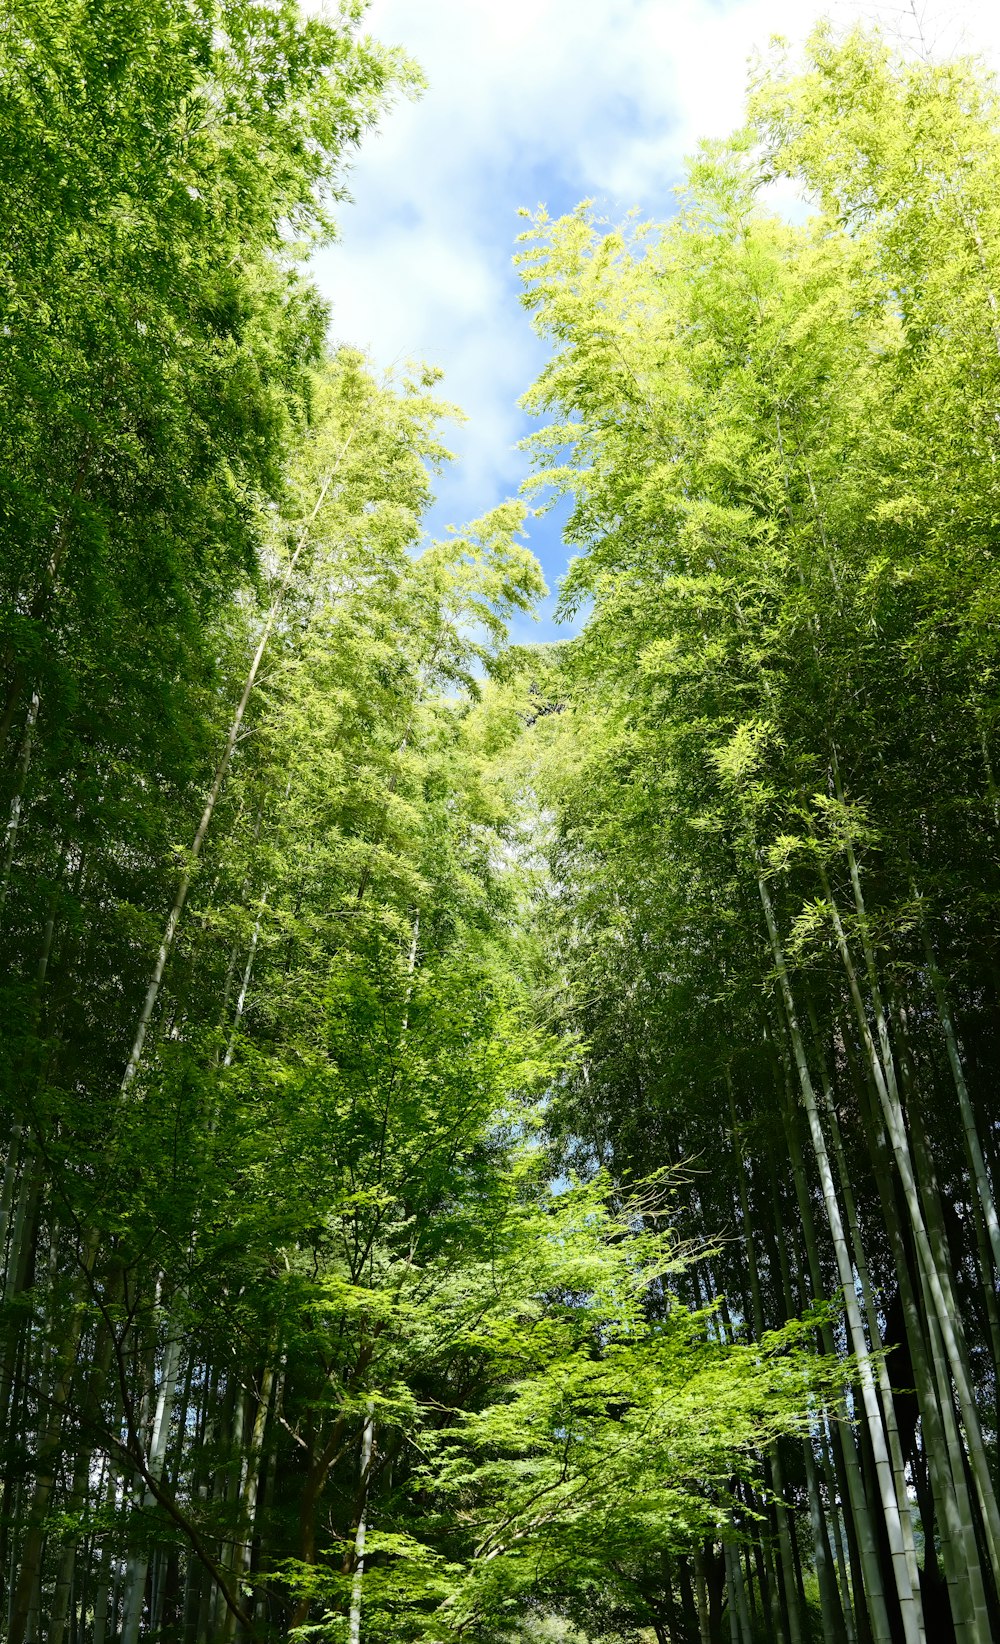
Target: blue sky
column 528, row 102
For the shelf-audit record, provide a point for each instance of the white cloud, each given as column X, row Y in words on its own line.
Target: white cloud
column 528, row 101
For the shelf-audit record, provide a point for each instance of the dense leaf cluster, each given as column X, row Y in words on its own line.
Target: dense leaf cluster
column 771, row 790
column 300, row 1337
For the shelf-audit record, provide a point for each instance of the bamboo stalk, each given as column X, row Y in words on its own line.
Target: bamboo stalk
column 909, row 1599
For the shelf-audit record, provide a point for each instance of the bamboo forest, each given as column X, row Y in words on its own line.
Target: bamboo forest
column 499, row 1138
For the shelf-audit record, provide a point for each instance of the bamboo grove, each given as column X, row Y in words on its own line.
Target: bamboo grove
column 773, row 793
column 498, row 1142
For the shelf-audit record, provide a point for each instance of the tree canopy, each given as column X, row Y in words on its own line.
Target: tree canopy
column 499, row 1140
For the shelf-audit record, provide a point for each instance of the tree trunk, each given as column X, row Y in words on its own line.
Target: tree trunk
column 367, row 1440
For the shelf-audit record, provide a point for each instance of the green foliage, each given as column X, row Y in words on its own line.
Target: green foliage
column 779, row 445
column 410, row 1220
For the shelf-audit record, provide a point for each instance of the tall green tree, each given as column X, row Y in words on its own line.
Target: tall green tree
column 772, row 775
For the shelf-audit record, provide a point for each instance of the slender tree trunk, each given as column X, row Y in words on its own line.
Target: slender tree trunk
column 741, row 1627
column 888, row 1405
column 254, row 1461
column 139, row 1563
column 883, row 1075
column 357, row 1584
column 946, row 1459
column 847, row 1597
column 186, row 878
column 970, row 1130
column 909, row 1600
column 831, row 1616
column 46, row 1466
column 245, row 984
